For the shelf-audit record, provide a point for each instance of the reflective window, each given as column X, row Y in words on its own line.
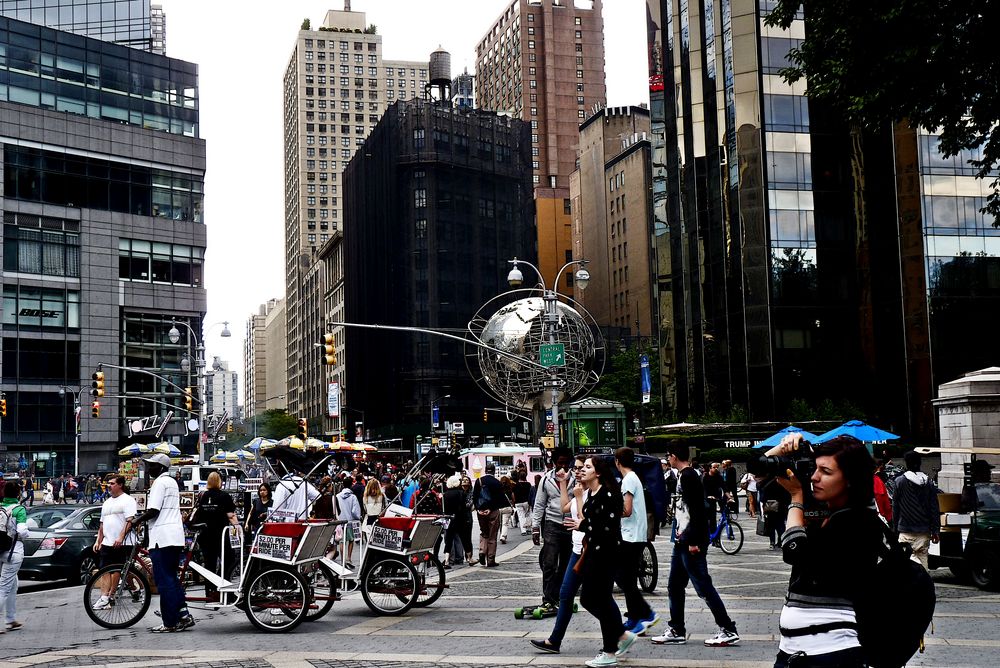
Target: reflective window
column 174, row 264
column 786, row 113
column 41, row 307
column 774, row 53
column 39, row 251
column 790, row 171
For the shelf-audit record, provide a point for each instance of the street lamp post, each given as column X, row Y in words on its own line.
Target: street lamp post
column 63, row 389
column 551, row 300
column 175, row 335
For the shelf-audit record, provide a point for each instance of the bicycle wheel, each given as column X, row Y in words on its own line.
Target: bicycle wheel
column 432, row 582
column 389, row 586
column 277, row 599
column 128, row 599
column 322, row 590
column 731, row 538
column 648, row 568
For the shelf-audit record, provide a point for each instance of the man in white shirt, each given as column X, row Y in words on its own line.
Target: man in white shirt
column 166, row 542
column 293, row 497
column 114, row 541
column 639, row 616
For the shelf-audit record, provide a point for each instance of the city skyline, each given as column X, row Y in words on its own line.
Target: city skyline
column 244, row 269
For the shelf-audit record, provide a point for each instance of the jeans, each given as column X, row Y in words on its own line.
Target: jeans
column 598, row 599
column 8, row 581
column 846, row 658
column 685, row 566
column 553, row 557
column 627, row 578
column 489, row 527
column 505, row 515
column 165, row 563
column 523, row 511
column 570, row 585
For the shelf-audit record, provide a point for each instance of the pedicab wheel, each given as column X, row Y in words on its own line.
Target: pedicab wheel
column 277, row 599
column 129, row 600
column 731, row 540
column 648, row 568
column 389, row 586
column 322, row 590
column 432, row 582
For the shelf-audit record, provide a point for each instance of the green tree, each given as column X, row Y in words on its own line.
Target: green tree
column 621, row 381
column 275, row 423
column 306, row 24
column 932, row 63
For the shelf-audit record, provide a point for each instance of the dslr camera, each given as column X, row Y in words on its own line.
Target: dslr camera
column 802, row 464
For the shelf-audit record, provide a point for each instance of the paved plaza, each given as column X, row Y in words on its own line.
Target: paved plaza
column 473, row 625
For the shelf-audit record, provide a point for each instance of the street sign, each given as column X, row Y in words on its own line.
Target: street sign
column 552, row 354
column 458, row 427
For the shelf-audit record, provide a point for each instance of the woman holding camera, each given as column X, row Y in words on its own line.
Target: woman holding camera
column 833, row 558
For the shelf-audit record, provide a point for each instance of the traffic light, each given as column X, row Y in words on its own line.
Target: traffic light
column 486, row 416
column 98, row 384
column 303, row 429
column 189, row 399
column 229, row 427
column 95, row 409
column 3, row 407
column 329, row 354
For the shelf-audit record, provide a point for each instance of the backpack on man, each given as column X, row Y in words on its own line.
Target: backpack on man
column 905, row 616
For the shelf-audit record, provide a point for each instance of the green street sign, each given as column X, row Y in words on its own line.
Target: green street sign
column 552, row 354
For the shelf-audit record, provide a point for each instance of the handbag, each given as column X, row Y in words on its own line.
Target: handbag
column 761, row 525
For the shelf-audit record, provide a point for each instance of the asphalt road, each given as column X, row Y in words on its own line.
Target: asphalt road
column 473, row 625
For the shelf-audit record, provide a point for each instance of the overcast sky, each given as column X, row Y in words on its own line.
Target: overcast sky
column 242, row 50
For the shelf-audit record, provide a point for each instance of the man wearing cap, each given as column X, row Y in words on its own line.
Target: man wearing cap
column 165, row 535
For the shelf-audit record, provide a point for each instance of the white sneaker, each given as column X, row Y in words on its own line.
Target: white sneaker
column 103, row 603
column 670, row 637
column 603, row 659
column 723, row 638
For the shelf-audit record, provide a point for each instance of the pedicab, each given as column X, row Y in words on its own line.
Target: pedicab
column 278, row 583
column 399, row 567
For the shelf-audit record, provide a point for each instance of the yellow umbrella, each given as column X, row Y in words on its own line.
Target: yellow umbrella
column 292, row 442
column 314, row 444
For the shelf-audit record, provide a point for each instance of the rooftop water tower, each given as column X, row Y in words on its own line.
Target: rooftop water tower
column 440, row 77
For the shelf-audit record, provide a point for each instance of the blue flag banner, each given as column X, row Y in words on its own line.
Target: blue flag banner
column 644, row 374
column 435, row 416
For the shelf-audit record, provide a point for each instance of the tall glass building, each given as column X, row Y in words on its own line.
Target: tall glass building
column 134, row 23
column 103, row 245
column 800, row 261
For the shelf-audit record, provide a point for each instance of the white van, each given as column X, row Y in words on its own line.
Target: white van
column 194, row 477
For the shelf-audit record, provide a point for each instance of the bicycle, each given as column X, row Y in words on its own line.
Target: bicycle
column 728, row 534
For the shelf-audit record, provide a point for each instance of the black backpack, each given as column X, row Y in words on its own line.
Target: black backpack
column 891, row 627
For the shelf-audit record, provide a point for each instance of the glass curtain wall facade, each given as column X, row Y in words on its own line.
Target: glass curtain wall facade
column 125, row 22
column 738, row 261
column 50, row 69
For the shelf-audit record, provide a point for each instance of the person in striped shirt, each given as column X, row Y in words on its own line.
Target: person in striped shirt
column 833, row 558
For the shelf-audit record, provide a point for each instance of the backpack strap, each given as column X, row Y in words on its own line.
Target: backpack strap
column 815, row 629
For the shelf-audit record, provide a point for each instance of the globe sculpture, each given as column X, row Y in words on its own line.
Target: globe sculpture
column 510, row 371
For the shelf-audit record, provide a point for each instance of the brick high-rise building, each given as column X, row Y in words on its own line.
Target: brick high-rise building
column 336, row 87
column 612, row 207
column 541, row 61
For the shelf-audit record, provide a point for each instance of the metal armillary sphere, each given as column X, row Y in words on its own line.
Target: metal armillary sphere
column 514, row 322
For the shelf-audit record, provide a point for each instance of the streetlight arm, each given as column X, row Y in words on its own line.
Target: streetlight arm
column 538, row 273
column 424, row 330
column 148, row 373
column 555, row 285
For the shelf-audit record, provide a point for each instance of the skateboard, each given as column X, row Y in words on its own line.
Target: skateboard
column 958, row 451
column 537, row 612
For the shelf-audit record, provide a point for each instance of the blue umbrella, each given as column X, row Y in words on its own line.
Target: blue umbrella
column 775, row 439
column 859, row 430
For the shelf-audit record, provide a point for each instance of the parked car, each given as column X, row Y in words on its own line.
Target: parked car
column 64, row 550
column 43, row 517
